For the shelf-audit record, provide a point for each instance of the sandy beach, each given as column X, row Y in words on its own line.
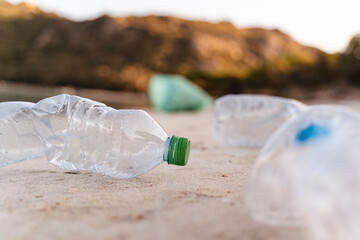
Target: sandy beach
column 203, row 200
column 173, row 56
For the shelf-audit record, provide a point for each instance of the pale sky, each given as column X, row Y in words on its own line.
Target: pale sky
column 325, row 24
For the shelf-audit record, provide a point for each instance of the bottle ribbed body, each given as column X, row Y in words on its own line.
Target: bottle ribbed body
column 248, row 120
column 75, row 133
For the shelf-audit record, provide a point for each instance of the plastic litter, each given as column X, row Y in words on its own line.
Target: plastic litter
column 79, row 134
column 248, row 120
column 170, row 93
column 333, row 188
column 308, row 173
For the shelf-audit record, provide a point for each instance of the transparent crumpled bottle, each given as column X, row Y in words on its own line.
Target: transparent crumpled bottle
column 79, row 134
column 248, row 120
column 306, row 173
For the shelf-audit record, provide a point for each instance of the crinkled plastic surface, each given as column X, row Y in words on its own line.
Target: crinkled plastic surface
column 79, row 134
column 249, row 120
column 308, row 173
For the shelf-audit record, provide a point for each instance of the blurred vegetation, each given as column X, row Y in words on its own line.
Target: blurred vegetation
column 122, row 53
column 349, row 62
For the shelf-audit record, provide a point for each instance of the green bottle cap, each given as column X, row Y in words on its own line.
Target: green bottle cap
column 179, row 150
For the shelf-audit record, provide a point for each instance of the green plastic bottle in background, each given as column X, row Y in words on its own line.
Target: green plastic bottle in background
column 176, row 93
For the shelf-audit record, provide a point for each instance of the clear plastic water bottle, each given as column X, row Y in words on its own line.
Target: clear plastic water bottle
column 308, row 173
column 79, row 134
column 248, row 120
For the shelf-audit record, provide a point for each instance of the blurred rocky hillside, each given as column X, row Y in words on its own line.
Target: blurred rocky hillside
column 122, row 53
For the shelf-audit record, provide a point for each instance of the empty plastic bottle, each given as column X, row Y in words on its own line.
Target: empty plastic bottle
column 248, row 120
column 79, row 134
column 308, row 172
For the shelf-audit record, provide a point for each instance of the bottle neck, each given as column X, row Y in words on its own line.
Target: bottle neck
column 166, row 150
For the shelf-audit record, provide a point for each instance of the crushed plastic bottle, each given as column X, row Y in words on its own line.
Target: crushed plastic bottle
column 308, row 173
column 248, row 120
column 79, row 134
